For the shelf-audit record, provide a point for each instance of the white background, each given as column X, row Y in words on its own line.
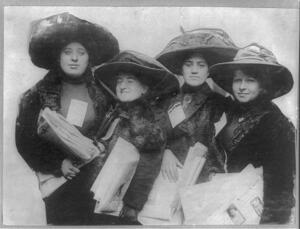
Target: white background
column 144, row 29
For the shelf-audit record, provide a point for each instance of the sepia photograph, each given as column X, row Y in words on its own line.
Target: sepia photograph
column 118, row 115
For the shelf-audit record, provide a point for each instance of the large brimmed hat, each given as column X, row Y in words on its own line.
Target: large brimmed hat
column 146, row 69
column 49, row 35
column 257, row 57
column 214, row 44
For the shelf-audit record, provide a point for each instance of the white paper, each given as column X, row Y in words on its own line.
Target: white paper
column 233, row 199
column 76, row 112
column 176, row 114
column 159, row 201
column 68, row 137
column 164, row 195
column 114, row 178
column 193, row 164
column 48, row 183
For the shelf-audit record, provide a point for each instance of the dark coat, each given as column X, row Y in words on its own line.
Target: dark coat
column 258, row 133
column 139, row 126
column 70, row 203
column 202, row 108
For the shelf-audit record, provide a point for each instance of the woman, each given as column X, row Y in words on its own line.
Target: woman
column 197, row 106
column 138, row 81
column 68, row 47
column 257, row 132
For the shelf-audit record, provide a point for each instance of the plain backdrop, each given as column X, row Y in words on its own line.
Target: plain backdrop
column 143, row 29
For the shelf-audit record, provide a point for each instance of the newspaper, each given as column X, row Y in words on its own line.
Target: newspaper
column 55, row 128
column 228, row 199
column 48, row 183
column 163, row 205
column 193, row 165
column 159, row 201
column 113, row 180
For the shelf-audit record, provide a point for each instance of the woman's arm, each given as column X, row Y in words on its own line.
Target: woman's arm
column 278, row 169
column 149, row 138
column 220, row 105
column 39, row 155
column 146, row 172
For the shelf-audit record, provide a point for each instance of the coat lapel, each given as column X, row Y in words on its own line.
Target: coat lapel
column 49, row 92
column 245, row 126
column 191, row 103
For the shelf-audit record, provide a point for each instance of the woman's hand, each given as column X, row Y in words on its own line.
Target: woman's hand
column 101, row 148
column 68, row 169
column 169, row 166
column 129, row 213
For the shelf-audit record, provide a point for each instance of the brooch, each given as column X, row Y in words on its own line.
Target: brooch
column 241, row 119
column 187, row 99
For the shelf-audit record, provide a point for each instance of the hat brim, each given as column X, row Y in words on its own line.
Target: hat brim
column 173, row 60
column 280, row 77
column 158, row 81
column 47, row 42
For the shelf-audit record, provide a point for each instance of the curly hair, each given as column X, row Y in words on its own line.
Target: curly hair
column 261, row 74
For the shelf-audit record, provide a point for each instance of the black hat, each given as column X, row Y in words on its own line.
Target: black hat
column 149, row 71
column 51, row 34
column 214, row 44
column 257, row 57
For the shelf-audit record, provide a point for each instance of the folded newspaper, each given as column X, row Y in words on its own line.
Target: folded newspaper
column 113, row 180
column 158, row 205
column 228, row 199
column 48, row 183
column 164, row 205
column 56, row 129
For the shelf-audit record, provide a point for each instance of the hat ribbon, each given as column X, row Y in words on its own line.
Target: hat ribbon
column 262, row 59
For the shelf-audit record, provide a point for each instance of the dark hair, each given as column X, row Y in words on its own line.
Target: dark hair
column 189, row 55
column 59, row 48
column 195, row 53
column 137, row 75
column 261, row 74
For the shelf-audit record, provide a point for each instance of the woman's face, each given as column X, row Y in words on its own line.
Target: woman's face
column 195, row 70
column 245, row 87
column 128, row 88
column 74, row 59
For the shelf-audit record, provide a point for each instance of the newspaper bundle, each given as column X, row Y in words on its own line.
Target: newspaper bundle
column 113, row 180
column 59, row 131
column 228, row 199
column 158, row 205
column 48, row 183
column 55, row 128
column 163, row 205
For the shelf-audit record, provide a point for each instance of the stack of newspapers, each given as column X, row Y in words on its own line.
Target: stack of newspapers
column 66, row 136
column 227, row 199
column 113, row 180
column 164, row 204
column 53, row 127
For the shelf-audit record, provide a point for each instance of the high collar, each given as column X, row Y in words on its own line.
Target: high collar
column 84, row 78
column 255, row 106
column 203, row 89
column 140, row 102
column 50, row 87
column 57, row 76
column 135, row 109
